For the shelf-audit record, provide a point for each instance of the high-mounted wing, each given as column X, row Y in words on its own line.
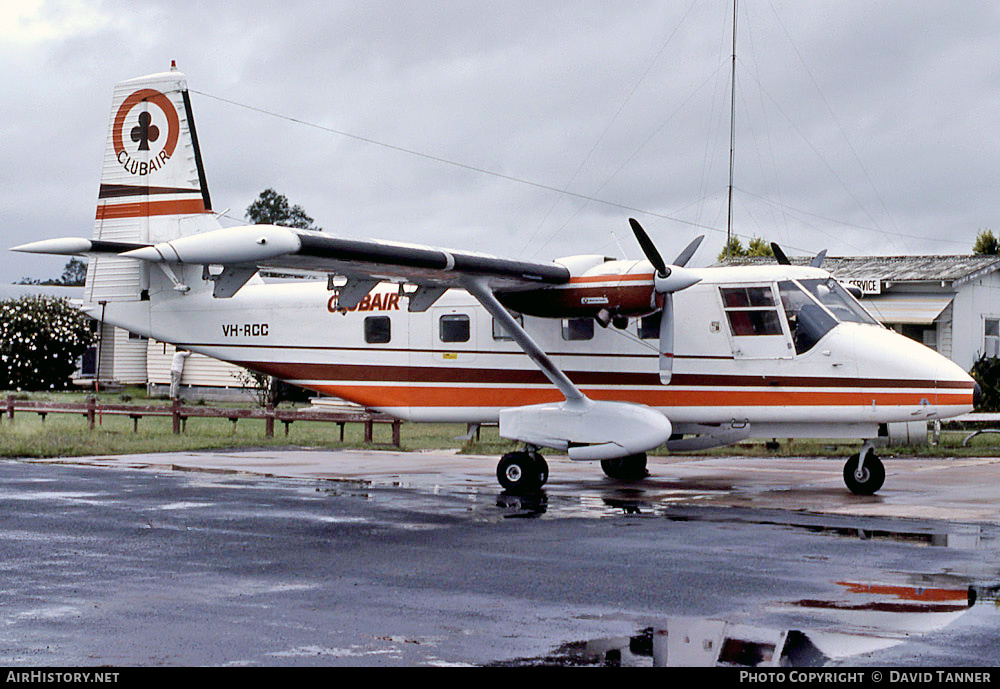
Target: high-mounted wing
column 241, row 250
column 585, row 428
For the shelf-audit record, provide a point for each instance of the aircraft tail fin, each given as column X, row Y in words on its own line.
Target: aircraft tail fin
column 153, row 185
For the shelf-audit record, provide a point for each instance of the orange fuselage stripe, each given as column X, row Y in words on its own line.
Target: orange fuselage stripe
column 448, row 396
column 648, row 277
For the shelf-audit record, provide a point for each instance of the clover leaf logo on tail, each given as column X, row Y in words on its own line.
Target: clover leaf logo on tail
column 137, row 157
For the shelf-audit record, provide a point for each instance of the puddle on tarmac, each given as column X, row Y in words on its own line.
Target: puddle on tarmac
column 858, row 620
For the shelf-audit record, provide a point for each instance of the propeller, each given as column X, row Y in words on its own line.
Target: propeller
column 779, row 255
column 666, row 281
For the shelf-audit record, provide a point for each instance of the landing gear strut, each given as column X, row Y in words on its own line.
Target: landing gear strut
column 631, row 468
column 867, row 476
column 522, row 471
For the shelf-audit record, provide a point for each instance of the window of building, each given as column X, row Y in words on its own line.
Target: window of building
column 378, row 329
column 578, row 329
column 454, row 328
column 991, row 337
column 751, row 311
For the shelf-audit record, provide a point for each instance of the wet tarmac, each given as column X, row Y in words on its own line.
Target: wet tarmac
column 381, row 558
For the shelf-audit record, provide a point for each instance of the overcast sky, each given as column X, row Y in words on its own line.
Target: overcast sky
column 862, row 127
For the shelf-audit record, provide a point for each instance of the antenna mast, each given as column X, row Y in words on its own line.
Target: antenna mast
column 732, row 137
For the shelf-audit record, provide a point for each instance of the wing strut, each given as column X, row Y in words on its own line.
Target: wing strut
column 478, row 289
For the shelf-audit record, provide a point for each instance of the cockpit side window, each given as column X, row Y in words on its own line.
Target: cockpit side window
column 807, row 320
column 841, row 304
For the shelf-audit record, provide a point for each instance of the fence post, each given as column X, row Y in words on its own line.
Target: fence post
column 91, row 409
column 176, row 413
column 269, row 420
column 395, row 432
column 368, row 430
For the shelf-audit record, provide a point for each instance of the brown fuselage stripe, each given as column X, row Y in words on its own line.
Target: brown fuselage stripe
column 114, row 191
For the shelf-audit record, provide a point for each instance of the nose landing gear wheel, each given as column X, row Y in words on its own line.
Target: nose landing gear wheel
column 631, row 468
column 522, row 471
column 869, row 479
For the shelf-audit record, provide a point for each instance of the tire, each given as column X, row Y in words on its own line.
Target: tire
column 521, row 472
column 631, row 468
column 543, row 468
column 872, row 478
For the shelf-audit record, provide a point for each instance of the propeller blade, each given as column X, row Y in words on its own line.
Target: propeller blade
column 817, row 261
column 780, row 255
column 688, row 252
column 647, row 248
column 667, row 339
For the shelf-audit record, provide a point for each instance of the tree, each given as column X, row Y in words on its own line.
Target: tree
column 732, row 249
column 986, row 243
column 986, row 372
column 757, row 247
column 760, row 247
column 271, row 208
column 74, row 275
column 40, row 340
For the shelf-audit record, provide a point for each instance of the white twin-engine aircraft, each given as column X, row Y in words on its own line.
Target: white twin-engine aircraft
column 601, row 359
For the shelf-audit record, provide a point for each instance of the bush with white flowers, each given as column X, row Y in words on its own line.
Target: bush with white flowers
column 40, row 340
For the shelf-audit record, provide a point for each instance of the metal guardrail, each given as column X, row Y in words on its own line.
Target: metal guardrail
column 94, row 411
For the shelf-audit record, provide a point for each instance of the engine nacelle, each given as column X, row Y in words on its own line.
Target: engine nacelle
column 598, row 287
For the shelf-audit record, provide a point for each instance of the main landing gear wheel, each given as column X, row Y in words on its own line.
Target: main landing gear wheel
column 870, row 477
column 522, row 471
column 631, row 468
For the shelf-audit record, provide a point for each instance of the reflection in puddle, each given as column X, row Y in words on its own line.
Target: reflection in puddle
column 859, row 618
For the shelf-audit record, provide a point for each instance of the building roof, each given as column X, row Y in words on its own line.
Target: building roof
column 899, row 268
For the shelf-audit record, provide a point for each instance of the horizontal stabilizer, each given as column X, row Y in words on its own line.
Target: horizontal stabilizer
column 76, row 246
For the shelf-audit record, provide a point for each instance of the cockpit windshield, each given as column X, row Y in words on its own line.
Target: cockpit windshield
column 841, row 304
column 807, row 320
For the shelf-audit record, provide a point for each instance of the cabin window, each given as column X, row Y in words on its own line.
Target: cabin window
column 991, row 337
column 649, row 326
column 807, row 320
column 454, row 328
column 578, row 329
column 499, row 333
column 751, row 311
column 378, row 329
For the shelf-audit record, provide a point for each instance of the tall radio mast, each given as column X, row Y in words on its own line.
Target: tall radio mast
column 732, row 137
